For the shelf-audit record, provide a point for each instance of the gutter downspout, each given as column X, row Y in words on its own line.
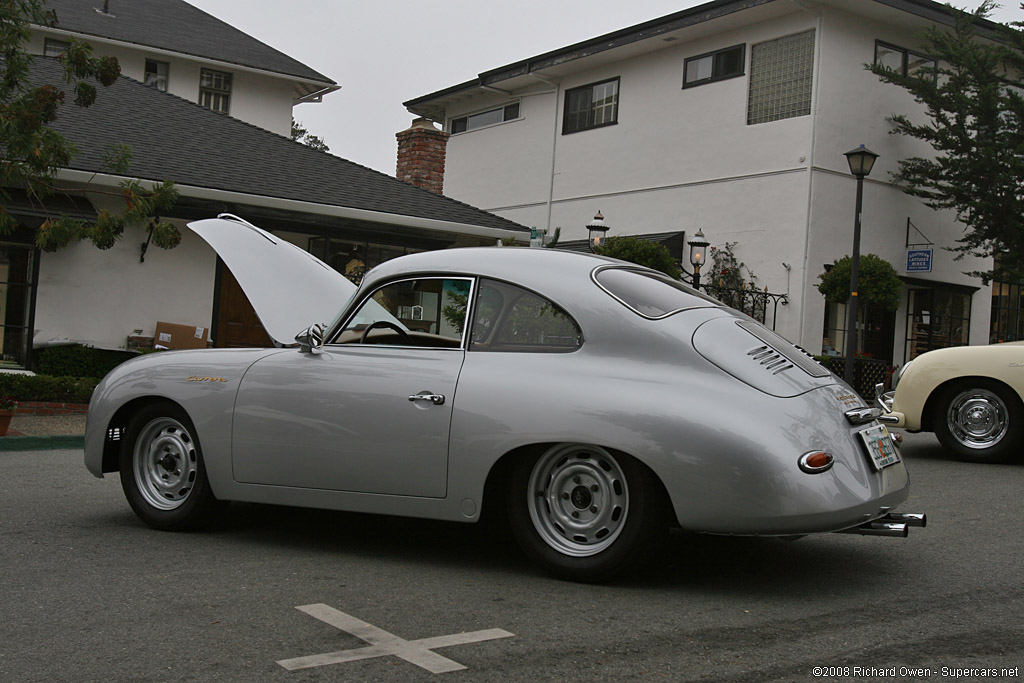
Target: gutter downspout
column 554, row 145
column 818, row 38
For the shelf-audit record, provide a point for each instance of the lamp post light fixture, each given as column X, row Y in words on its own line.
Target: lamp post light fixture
column 698, row 254
column 598, row 231
column 861, row 161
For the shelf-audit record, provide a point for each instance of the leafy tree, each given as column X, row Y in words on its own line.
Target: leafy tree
column 31, row 151
column 300, row 134
column 879, row 283
column 974, row 121
column 642, row 252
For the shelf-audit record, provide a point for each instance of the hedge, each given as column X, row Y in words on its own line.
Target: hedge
column 47, row 388
column 79, row 361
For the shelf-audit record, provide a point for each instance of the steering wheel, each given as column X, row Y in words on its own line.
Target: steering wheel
column 388, row 324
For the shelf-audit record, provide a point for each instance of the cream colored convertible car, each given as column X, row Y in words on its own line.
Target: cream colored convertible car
column 972, row 397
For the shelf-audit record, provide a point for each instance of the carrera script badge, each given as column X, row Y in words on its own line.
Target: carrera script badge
column 195, row 378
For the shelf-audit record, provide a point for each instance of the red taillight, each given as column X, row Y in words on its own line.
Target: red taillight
column 816, row 462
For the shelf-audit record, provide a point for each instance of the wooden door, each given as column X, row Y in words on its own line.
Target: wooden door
column 237, row 323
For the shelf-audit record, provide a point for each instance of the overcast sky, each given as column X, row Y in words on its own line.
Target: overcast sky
column 384, row 52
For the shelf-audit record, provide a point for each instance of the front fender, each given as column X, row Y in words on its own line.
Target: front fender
column 203, row 382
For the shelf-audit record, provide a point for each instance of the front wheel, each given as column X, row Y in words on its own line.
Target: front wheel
column 584, row 513
column 979, row 420
column 162, row 470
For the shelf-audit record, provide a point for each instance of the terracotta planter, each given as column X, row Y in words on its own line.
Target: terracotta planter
column 5, row 421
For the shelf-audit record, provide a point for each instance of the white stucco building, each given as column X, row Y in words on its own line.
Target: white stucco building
column 731, row 118
column 208, row 107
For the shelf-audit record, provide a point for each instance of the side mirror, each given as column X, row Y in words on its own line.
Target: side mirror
column 311, row 339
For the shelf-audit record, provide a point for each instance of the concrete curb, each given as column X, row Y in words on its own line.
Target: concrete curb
column 40, row 443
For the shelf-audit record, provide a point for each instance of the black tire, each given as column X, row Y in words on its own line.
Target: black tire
column 980, row 420
column 162, row 470
column 585, row 514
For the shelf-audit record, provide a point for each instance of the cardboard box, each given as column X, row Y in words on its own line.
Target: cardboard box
column 171, row 336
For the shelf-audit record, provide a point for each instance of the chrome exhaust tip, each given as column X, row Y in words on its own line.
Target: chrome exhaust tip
column 893, row 524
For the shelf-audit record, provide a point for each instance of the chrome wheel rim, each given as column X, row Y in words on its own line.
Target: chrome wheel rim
column 165, row 463
column 977, row 418
column 578, row 499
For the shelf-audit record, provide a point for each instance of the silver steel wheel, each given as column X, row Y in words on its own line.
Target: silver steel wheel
column 578, row 499
column 977, row 418
column 164, row 463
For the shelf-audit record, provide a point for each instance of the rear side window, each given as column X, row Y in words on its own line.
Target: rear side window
column 510, row 318
column 649, row 294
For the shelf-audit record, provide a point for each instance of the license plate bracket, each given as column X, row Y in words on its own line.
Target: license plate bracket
column 881, row 447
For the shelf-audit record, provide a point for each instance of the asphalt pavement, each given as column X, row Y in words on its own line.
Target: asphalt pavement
column 91, row 594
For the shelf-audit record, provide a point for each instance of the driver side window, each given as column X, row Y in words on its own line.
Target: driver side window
column 426, row 311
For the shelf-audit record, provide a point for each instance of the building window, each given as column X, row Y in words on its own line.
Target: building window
column 591, row 106
column 55, row 48
column 903, row 61
column 936, row 318
column 17, row 283
column 215, row 90
column 156, row 74
column 353, row 259
column 485, row 118
column 1007, row 312
column 781, row 78
column 714, row 66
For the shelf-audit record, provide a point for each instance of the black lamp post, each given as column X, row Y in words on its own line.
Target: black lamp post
column 597, row 230
column 698, row 254
column 861, row 160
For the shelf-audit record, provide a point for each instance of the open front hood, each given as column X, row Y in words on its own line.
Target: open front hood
column 290, row 288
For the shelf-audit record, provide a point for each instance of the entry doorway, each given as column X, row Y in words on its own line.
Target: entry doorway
column 237, row 325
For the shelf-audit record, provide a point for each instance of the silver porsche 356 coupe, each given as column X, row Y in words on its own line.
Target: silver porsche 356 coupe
column 594, row 401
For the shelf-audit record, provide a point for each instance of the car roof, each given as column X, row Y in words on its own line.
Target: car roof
column 533, row 268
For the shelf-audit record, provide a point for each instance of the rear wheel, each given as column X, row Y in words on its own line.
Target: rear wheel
column 980, row 420
column 584, row 513
column 162, row 470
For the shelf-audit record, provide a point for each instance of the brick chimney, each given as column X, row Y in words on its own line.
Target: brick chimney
column 421, row 151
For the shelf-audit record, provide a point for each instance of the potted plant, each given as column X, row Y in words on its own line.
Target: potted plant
column 7, row 407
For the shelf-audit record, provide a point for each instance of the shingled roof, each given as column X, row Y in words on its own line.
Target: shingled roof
column 172, row 138
column 176, row 26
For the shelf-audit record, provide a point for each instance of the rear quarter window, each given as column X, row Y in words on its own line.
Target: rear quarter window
column 649, row 294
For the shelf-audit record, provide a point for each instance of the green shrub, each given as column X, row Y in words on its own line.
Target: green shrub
column 47, row 388
column 78, row 361
column 642, row 252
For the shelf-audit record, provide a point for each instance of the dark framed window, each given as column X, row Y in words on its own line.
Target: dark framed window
column 485, row 118
column 507, row 318
column 18, row 267
column 591, row 106
column 714, row 66
column 55, row 48
column 937, row 317
column 215, row 90
column 353, row 258
column 903, row 61
column 156, row 74
column 781, row 80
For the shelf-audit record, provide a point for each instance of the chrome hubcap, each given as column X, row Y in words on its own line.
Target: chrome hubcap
column 977, row 418
column 578, row 499
column 165, row 463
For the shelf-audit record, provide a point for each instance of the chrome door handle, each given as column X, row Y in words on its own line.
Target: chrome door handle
column 436, row 399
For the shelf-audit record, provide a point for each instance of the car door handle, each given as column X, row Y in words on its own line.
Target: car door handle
column 436, row 399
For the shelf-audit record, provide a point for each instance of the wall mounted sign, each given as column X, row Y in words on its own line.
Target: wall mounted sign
column 919, row 260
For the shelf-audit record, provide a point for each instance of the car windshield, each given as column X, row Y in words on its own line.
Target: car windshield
column 650, row 294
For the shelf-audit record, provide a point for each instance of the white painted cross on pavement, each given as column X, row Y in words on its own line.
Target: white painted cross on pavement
column 381, row 643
